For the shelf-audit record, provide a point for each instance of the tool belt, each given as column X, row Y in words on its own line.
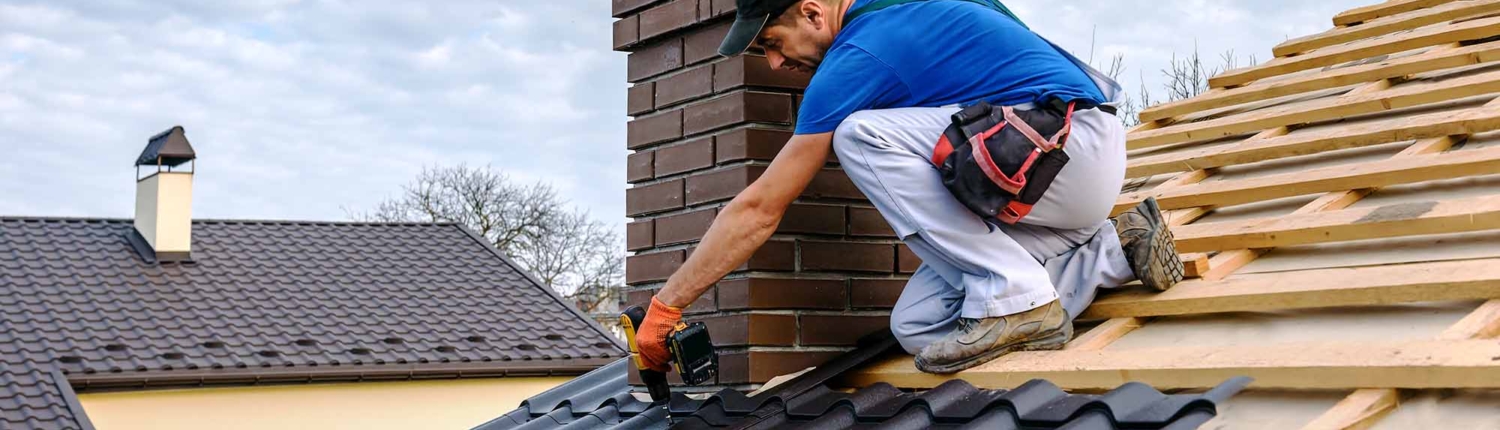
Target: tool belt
column 998, row 161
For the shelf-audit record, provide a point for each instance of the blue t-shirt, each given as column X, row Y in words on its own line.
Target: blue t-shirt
column 931, row 54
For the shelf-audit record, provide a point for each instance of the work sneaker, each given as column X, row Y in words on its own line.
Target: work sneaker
column 977, row 341
column 1148, row 246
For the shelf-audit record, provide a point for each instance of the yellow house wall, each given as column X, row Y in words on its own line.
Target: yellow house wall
column 444, row 404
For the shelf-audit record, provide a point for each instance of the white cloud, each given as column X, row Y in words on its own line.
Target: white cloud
column 300, row 108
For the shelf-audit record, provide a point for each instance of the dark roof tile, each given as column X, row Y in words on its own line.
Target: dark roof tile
column 808, row 402
column 75, row 297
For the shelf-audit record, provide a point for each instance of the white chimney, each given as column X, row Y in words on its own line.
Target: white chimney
column 164, row 198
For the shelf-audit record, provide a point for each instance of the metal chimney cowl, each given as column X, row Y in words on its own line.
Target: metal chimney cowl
column 164, row 198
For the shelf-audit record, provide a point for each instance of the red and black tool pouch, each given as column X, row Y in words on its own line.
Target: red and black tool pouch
column 998, row 161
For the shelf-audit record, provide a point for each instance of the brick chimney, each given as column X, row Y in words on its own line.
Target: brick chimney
column 704, row 128
column 164, row 198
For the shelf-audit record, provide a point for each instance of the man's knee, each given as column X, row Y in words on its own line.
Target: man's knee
column 907, row 332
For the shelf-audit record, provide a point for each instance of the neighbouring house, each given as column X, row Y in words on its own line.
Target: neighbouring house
column 1338, row 207
column 166, row 322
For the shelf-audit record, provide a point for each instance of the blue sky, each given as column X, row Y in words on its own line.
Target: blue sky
column 300, row 109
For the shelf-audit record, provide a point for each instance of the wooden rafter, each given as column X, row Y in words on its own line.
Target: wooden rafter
column 1460, row 122
column 1391, row 7
column 1320, row 365
column 1445, row 57
column 1398, row 97
column 1394, row 171
column 1343, row 286
column 1334, row 55
column 1387, row 25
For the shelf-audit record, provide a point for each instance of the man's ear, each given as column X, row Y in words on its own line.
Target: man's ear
column 814, row 13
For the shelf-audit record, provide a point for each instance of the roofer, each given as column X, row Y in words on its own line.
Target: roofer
column 1007, row 259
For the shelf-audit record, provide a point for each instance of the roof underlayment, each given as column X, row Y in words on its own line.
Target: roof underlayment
column 1340, row 208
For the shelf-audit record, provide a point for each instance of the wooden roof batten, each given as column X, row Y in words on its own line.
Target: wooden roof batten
column 1380, row 52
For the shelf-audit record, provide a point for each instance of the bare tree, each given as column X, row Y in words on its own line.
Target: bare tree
column 569, row 251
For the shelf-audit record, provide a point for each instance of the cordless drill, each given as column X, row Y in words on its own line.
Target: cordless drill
column 692, row 354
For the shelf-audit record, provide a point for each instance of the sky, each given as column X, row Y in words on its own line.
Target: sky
column 305, row 110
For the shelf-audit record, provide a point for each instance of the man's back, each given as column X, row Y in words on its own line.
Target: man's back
column 936, row 53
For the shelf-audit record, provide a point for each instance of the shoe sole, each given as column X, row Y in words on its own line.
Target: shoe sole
column 1053, row 342
column 1165, row 268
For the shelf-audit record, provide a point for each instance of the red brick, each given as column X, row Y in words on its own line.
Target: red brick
column 737, row 108
column 683, row 228
column 705, row 304
column 848, row 256
column 755, row 367
column 722, row 184
column 875, row 293
column 755, row 71
column 766, row 293
column 638, row 166
column 627, row 32
column 751, row 329
column 622, row 7
column 644, row 268
column 652, row 129
column 773, row 256
column 868, row 222
column 839, row 330
column 639, row 235
column 906, row 261
column 692, row 84
column 750, row 144
column 647, row 199
column 674, row 15
column 812, row 219
column 692, row 155
column 654, row 59
column 832, row 184
column 640, row 98
column 703, row 44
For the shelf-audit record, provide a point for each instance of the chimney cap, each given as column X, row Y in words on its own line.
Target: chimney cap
column 168, row 148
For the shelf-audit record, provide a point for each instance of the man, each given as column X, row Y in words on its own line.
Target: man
column 884, row 88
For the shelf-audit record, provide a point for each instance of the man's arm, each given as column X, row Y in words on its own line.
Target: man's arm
column 738, row 231
column 745, row 224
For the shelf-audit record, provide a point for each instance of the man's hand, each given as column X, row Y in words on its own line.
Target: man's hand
column 651, row 336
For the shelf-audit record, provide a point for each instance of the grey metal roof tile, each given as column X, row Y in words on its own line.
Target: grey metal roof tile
column 69, row 288
column 807, row 402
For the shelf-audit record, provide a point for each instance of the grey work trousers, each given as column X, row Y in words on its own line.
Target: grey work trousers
column 1064, row 249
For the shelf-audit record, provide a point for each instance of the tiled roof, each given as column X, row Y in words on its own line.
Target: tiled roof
column 267, row 302
column 602, row 400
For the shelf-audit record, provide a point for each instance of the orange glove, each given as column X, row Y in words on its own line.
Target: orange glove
column 651, row 336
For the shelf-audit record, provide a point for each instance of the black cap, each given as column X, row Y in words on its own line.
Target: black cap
column 750, row 18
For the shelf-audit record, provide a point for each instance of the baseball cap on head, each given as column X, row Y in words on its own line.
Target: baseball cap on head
column 750, row 17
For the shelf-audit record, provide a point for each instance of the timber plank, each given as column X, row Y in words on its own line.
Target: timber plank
column 1342, row 286
column 1399, row 220
column 1319, row 365
column 1413, row 94
column 1359, row 410
column 1375, row 174
column 1392, row 7
column 1483, row 323
column 1334, row 55
column 1386, row 25
column 1460, row 122
column 1105, row 334
column 1447, row 57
